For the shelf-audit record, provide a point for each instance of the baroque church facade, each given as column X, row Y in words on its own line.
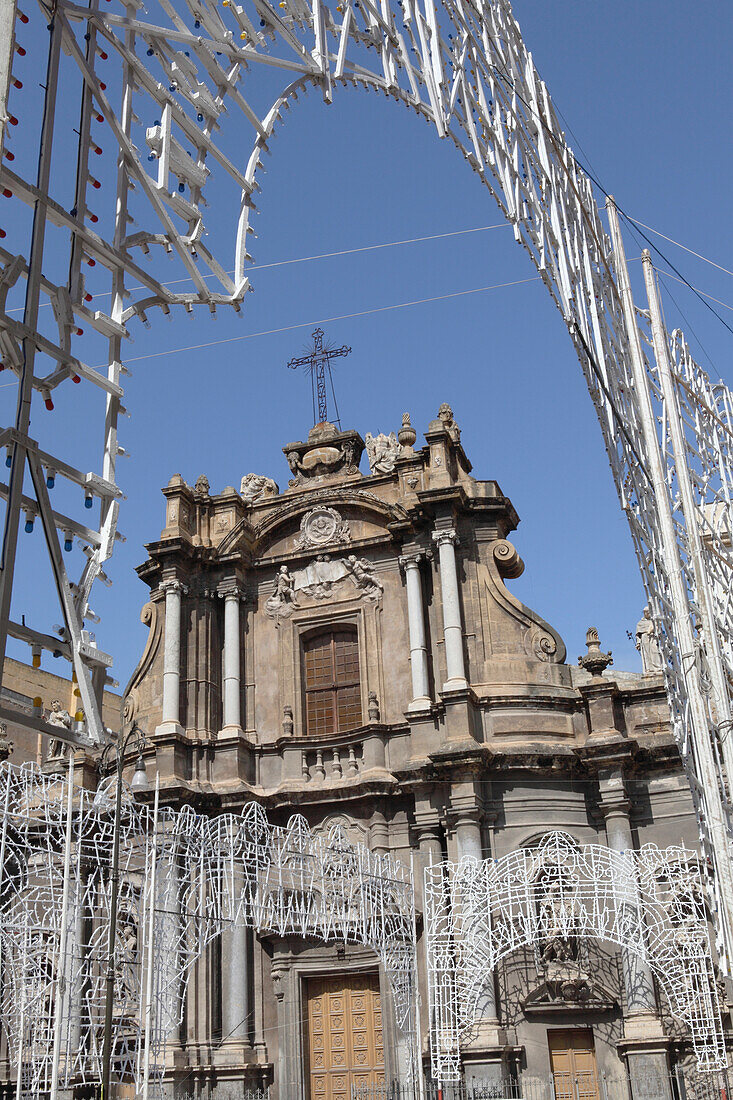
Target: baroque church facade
column 349, row 649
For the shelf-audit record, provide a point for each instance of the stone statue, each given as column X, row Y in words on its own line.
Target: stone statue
column 256, row 486
column 382, row 452
column 646, row 643
column 201, row 488
column 58, row 717
column 364, row 577
column 282, row 601
column 6, row 746
column 445, row 414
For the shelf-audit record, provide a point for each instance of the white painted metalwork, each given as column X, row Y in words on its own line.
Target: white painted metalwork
column 650, row 903
column 183, row 877
column 192, row 79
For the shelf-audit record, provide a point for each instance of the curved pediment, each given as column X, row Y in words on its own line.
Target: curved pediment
column 317, row 520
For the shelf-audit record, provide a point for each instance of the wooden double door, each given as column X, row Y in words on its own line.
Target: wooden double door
column 573, row 1063
column 343, row 1035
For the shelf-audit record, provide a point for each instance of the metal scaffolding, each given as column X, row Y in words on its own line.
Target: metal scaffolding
column 167, row 97
column 650, row 903
column 183, row 879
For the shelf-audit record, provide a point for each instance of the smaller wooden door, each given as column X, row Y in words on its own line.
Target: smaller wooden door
column 573, row 1063
column 343, row 1035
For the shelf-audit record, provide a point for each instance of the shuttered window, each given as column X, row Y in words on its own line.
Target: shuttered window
column 332, row 682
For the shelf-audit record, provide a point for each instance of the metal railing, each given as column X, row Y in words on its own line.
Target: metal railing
column 679, row 1085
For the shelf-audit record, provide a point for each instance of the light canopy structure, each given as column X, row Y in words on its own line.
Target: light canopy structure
column 169, row 96
column 649, row 903
column 183, row 878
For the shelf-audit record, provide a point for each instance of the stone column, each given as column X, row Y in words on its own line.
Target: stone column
column 232, row 693
column 469, row 842
column 428, row 833
column 452, row 629
column 167, row 941
column 645, row 1044
column 171, row 718
column 235, row 1008
column 416, row 622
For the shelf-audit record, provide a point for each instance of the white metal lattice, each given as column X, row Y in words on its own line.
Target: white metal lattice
column 192, row 78
column 183, row 879
column 649, row 903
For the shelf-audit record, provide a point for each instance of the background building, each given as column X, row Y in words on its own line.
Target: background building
column 349, row 649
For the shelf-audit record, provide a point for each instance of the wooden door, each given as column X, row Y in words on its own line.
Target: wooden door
column 573, row 1063
column 344, row 1039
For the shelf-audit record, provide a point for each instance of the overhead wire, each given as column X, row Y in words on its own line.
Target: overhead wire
column 328, row 320
column 318, row 256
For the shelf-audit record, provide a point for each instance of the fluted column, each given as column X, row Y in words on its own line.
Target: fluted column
column 172, row 653
column 416, row 624
column 452, row 628
column 232, row 688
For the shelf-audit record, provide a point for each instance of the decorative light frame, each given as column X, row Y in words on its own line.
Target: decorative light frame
column 650, row 903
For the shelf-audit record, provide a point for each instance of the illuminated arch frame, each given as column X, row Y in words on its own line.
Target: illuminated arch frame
column 187, row 877
column 465, row 68
column 649, row 903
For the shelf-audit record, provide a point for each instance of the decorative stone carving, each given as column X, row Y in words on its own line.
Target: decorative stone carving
column 445, row 415
column 321, row 527
column 407, row 434
column 364, row 577
column 282, row 602
column 320, row 579
column 646, row 642
column 61, row 718
column 201, row 488
column 594, row 661
column 326, row 453
column 256, row 486
column 6, row 746
column 373, row 707
column 382, row 451
column 287, row 721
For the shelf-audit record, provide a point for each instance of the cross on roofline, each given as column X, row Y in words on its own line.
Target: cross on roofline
column 316, row 362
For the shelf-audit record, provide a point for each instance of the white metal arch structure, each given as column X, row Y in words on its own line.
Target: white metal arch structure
column 176, row 86
column 648, row 902
column 183, row 879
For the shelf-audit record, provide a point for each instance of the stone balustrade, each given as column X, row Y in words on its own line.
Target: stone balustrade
column 333, row 763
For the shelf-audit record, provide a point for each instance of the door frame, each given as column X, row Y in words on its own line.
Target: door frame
column 293, row 963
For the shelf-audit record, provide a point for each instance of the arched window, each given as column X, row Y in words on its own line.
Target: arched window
column 332, row 681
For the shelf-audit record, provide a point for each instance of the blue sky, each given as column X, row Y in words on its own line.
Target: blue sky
column 645, row 91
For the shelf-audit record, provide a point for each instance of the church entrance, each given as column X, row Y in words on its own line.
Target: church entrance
column 344, row 1035
column 573, row 1063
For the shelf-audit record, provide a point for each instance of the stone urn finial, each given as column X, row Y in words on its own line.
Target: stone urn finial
column 594, row 661
column 407, row 434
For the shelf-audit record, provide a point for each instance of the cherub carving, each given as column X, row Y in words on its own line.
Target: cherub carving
column 282, row 602
column 364, row 577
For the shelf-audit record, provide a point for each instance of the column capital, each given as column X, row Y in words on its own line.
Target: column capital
column 449, row 535
column 230, row 589
column 412, row 559
column 173, row 585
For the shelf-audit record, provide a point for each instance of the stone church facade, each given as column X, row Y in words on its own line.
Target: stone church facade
column 350, row 649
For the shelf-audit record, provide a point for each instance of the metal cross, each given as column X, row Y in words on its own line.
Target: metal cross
column 315, row 362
